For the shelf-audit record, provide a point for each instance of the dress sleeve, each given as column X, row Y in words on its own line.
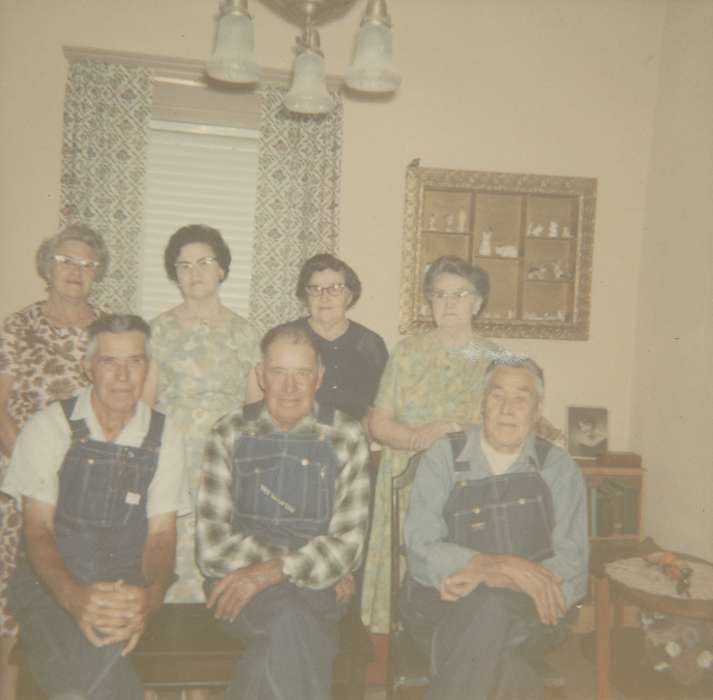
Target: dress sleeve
column 10, row 335
column 373, row 349
column 386, row 397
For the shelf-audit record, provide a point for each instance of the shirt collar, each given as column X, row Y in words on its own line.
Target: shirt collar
column 479, row 463
column 308, row 424
column 132, row 433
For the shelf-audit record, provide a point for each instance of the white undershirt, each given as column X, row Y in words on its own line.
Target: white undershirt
column 499, row 462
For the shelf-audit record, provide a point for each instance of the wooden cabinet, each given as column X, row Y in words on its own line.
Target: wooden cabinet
column 614, row 501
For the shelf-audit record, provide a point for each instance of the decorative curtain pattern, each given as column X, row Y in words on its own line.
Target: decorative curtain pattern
column 297, row 207
column 106, row 114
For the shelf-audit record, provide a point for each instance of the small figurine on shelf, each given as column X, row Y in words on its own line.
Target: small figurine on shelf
column 486, row 247
column 462, row 220
column 450, row 222
column 557, row 271
column 566, row 233
column 537, row 272
column 433, row 221
column 506, row 251
column 536, row 231
column 553, row 231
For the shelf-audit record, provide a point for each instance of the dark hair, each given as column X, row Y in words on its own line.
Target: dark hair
column 515, row 360
column 73, row 232
column 117, row 323
column 453, row 265
column 196, row 233
column 293, row 331
column 327, row 261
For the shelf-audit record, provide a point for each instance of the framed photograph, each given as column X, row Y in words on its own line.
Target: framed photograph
column 533, row 235
column 587, row 431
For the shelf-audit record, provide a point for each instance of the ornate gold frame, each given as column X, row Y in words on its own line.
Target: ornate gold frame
column 550, row 291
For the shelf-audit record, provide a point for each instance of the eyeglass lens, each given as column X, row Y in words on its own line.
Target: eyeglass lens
column 315, row 290
column 75, row 262
column 183, row 265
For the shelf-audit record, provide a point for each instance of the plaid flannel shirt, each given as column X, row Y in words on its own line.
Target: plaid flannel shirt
column 323, row 560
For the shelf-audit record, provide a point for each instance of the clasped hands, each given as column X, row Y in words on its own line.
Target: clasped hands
column 111, row 611
column 515, row 573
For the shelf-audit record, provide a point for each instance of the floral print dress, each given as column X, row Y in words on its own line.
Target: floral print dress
column 44, row 361
column 203, row 370
column 422, row 382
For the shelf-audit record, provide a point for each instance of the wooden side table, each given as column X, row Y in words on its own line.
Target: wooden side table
column 605, row 590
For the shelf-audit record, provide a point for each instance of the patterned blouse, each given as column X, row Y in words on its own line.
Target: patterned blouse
column 44, row 360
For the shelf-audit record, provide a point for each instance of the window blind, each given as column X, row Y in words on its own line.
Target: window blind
column 198, row 174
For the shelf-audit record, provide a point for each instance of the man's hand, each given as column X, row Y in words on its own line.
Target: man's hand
column 465, row 581
column 344, row 588
column 516, row 573
column 235, row 590
column 107, row 611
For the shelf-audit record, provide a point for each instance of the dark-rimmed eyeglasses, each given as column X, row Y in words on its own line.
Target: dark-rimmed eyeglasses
column 201, row 264
column 69, row 261
column 316, row 290
column 458, row 294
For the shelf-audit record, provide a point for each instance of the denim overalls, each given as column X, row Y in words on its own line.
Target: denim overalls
column 100, row 527
column 509, row 513
column 283, row 495
column 467, row 641
column 283, row 483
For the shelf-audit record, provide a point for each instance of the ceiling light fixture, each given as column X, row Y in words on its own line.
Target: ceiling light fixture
column 372, row 69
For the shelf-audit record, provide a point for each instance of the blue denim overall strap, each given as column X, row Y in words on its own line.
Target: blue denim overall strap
column 100, row 517
column 510, row 513
column 284, row 483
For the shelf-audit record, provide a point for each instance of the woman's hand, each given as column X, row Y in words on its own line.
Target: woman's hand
column 386, row 429
column 425, row 435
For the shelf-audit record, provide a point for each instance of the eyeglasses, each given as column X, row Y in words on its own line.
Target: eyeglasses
column 458, row 294
column 69, row 261
column 316, row 290
column 201, row 264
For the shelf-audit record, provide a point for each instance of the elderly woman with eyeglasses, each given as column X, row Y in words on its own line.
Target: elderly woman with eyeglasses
column 353, row 356
column 41, row 348
column 432, row 385
column 204, row 358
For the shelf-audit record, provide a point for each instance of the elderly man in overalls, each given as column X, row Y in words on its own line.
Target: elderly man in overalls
column 496, row 543
column 281, row 519
column 100, row 479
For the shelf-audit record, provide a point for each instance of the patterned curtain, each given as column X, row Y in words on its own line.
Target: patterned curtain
column 106, row 113
column 297, row 208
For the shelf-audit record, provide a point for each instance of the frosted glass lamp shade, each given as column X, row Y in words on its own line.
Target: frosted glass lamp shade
column 308, row 93
column 233, row 59
column 372, row 68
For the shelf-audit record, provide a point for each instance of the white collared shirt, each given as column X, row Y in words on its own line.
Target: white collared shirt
column 43, row 443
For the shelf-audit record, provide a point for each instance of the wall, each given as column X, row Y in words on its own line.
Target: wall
column 673, row 381
column 561, row 87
